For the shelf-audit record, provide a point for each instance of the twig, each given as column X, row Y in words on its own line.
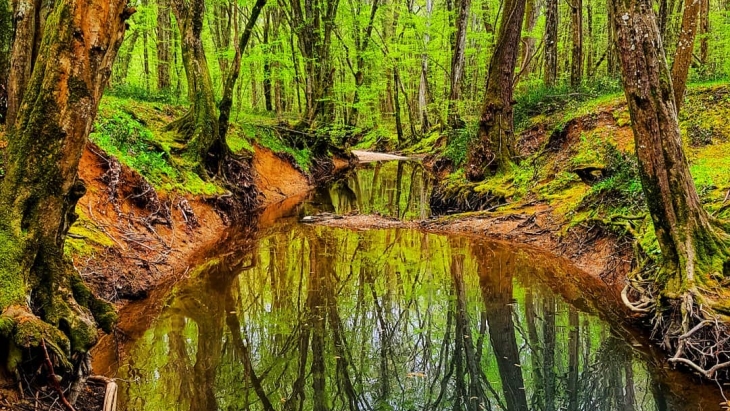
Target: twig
column 54, row 378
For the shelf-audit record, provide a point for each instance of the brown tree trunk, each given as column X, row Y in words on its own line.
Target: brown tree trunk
column 551, row 42
column 266, row 84
column 6, row 42
column 694, row 248
column 164, row 37
column 29, row 17
column 704, row 31
column 41, row 293
column 458, row 50
column 576, row 61
column 529, row 42
column 685, row 46
column 494, row 147
column 125, row 57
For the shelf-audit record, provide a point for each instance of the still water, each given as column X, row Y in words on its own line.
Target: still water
column 304, row 317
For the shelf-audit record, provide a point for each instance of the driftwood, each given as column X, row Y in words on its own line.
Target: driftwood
column 110, row 397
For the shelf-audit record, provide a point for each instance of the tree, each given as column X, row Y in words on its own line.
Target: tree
column 494, row 146
column 164, row 38
column 458, row 49
column 685, row 46
column 551, row 42
column 576, row 62
column 42, row 298
column 695, row 247
column 205, row 148
column 30, row 19
column 313, row 21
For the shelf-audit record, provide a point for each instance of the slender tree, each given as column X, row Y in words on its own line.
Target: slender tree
column 576, row 61
column 164, row 40
column 458, row 58
column 685, row 47
column 551, row 42
column 493, row 149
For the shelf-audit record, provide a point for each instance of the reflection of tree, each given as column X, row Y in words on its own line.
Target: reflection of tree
column 496, row 268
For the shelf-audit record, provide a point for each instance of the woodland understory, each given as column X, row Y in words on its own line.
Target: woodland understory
column 183, row 117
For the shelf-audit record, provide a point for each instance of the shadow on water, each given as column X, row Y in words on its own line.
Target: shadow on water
column 318, row 318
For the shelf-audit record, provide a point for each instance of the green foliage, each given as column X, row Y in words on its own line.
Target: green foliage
column 135, row 92
column 620, row 192
column 133, row 144
column 458, row 143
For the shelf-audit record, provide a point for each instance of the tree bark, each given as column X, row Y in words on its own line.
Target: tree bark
column 458, row 50
column 685, row 46
column 551, row 43
column 29, row 20
column 576, row 62
column 41, row 293
column 494, row 146
column 125, row 57
column 164, row 38
column 693, row 246
column 529, row 42
column 704, row 31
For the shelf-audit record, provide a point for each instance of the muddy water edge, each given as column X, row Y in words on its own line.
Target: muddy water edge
column 296, row 316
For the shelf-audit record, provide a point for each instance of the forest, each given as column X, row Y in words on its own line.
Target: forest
column 364, row 204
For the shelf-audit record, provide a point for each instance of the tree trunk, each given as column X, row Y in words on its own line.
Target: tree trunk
column 458, row 50
column 423, row 89
column 227, row 99
column 267, row 65
column 164, row 37
column 576, row 62
column 494, row 147
column 694, row 248
column 125, row 57
column 29, row 17
column 529, row 42
column 551, row 43
column 685, row 46
column 42, row 297
column 199, row 126
column 6, row 43
column 704, row 31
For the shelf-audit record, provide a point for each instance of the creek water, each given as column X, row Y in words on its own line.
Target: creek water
column 305, row 317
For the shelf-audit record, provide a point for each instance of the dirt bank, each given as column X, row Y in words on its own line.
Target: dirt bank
column 124, row 247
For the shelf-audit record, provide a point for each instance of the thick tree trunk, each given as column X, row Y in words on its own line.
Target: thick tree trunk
column 695, row 251
column 29, row 17
column 42, row 298
column 685, row 46
column 494, row 146
column 551, row 42
column 6, row 42
column 199, row 126
column 458, row 50
column 164, row 38
column 576, row 62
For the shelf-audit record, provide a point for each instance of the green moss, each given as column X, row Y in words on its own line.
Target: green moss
column 103, row 312
column 92, row 237
column 12, row 286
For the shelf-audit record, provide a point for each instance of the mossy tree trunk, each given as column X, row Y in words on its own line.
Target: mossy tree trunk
column 493, row 148
column 204, row 146
column 694, row 247
column 41, row 296
column 29, row 18
column 458, row 58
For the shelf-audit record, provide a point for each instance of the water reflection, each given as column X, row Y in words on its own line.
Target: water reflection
column 315, row 318
column 398, row 189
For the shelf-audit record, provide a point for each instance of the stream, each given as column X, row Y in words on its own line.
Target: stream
column 299, row 317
